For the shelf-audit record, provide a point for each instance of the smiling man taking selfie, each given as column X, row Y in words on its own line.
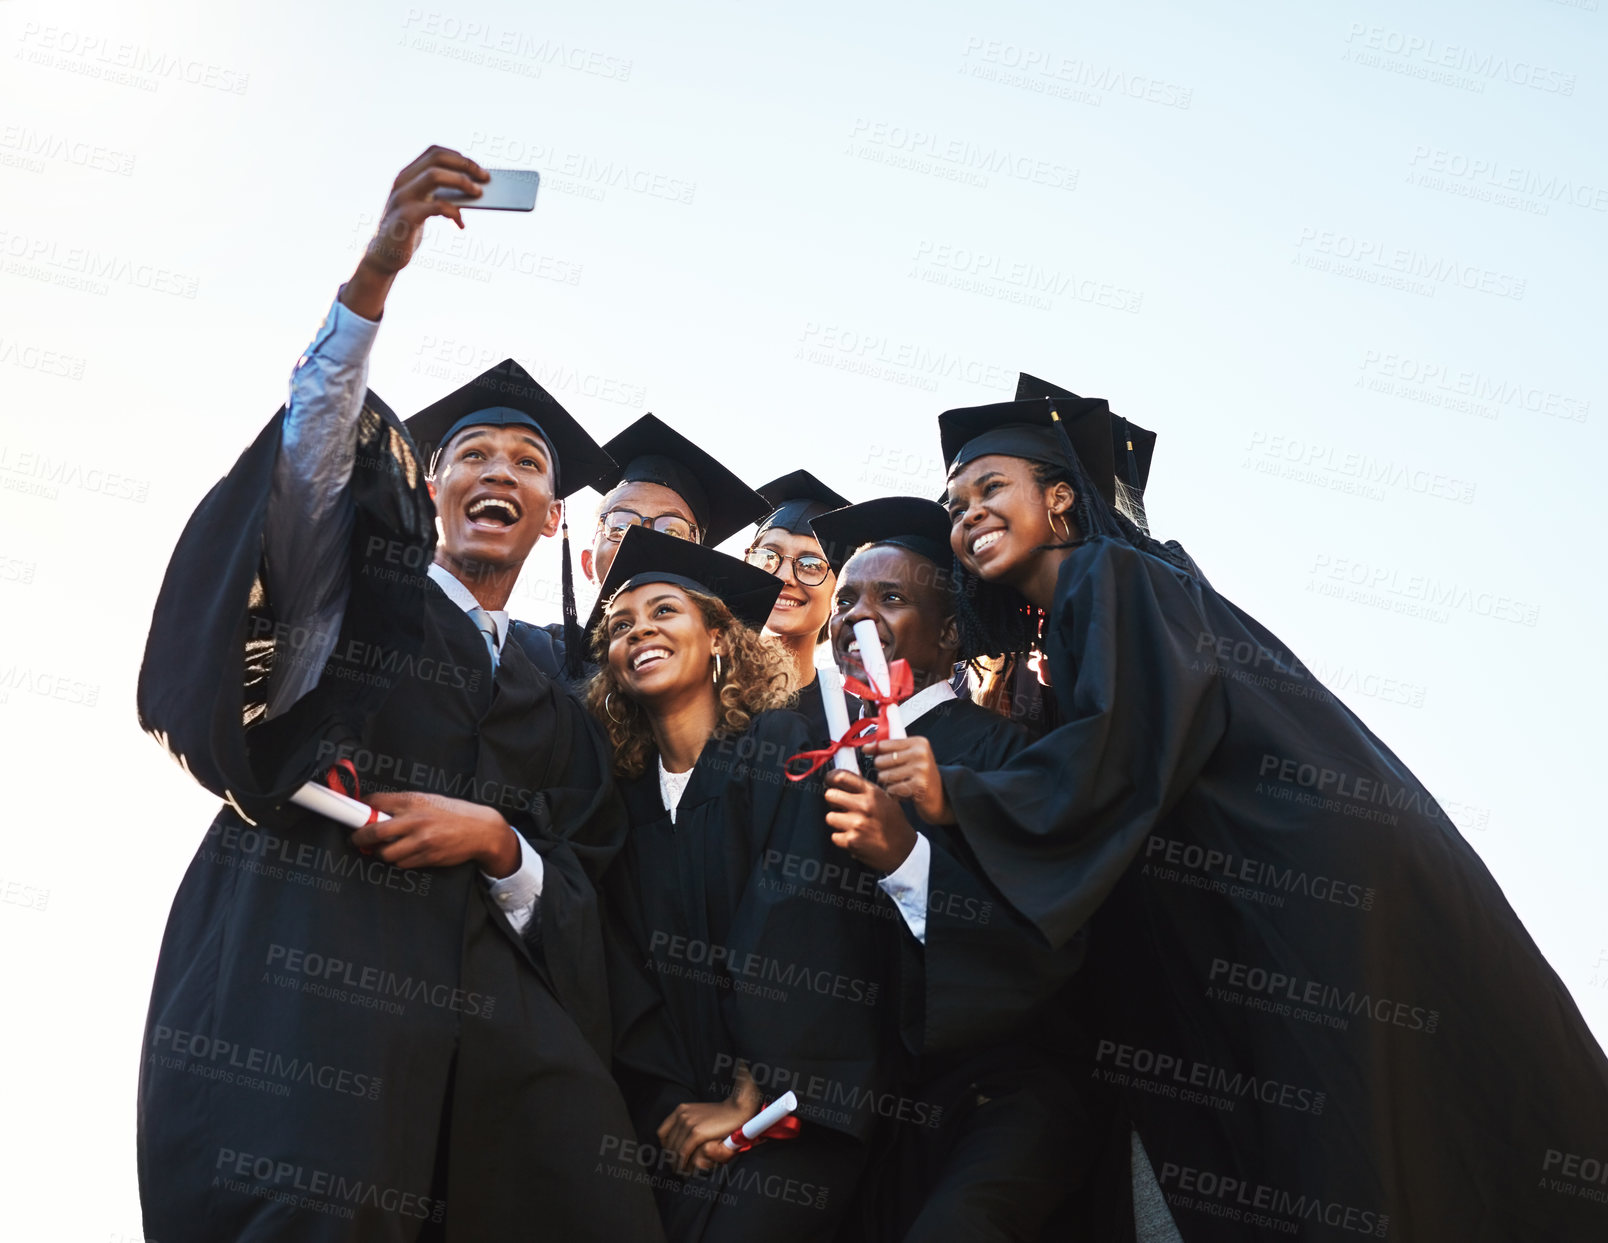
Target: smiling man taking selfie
column 399, row 1032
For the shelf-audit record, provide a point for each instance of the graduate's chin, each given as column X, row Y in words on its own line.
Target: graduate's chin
column 493, row 547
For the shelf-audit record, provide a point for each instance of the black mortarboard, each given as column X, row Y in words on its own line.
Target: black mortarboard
column 911, row 522
column 1037, row 430
column 648, row 556
column 651, row 451
column 507, row 396
column 797, row 498
column 1133, row 446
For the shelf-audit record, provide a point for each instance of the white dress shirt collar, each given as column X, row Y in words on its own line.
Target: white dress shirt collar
column 925, row 700
column 460, row 595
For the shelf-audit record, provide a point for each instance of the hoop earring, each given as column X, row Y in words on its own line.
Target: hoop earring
column 717, row 668
column 608, row 707
column 1054, row 532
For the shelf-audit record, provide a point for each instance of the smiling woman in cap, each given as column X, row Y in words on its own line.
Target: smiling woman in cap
column 689, row 690
column 1266, row 888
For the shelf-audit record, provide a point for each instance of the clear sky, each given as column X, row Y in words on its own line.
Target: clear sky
column 1346, row 259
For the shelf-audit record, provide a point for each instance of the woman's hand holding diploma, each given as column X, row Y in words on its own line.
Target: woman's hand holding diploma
column 906, row 769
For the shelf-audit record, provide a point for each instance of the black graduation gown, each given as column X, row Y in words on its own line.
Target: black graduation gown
column 337, row 1048
column 744, row 946
column 1321, row 1011
column 988, row 1138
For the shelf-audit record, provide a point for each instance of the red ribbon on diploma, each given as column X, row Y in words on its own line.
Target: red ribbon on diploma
column 333, row 781
column 787, row 1128
column 860, row 732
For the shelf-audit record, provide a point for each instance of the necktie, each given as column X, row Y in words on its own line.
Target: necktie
column 488, row 632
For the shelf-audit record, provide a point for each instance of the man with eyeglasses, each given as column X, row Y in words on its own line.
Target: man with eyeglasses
column 670, row 484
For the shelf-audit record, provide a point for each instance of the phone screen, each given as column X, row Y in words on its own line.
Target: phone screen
column 510, row 189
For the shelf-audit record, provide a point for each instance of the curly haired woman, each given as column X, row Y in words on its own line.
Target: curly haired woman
column 738, row 968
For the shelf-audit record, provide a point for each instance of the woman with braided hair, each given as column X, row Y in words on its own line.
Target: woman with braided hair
column 1310, row 998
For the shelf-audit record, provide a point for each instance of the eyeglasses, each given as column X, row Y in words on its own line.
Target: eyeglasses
column 616, row 522
column 809, row 568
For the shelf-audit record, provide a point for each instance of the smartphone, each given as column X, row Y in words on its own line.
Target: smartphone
column 510, row 189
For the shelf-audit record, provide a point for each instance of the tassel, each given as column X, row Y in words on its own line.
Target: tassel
column 574, row 638
column 1130, row 460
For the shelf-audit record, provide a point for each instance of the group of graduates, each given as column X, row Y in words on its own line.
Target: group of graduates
column 1118, row 926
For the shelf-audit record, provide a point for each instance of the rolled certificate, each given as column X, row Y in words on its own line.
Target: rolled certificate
column 766, row 1118
column 837, row 714
column 337, row 806
column 876, row 668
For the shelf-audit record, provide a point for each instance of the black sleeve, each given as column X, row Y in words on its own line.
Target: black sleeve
column 214, row 635
column 986, row 969
column 578, row 829
column 1057, row 826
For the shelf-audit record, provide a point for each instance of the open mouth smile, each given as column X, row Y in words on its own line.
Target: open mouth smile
column 986, row 540
column 648, row 657
column 492, row 513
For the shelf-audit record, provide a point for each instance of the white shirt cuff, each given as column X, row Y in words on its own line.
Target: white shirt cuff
column 908, row 885
column 346, row 336
column 516, row 895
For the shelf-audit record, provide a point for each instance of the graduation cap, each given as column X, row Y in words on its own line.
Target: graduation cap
column 1053, row 430
column 651, row 451
column 909, row 522
column 797, row 498
column 648, row 556
column 1132, row 445
column 508, row 396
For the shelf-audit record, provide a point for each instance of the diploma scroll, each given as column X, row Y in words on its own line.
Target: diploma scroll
column 875, row 664
column 755, row 1127
column 337, row 806
column 837, row 714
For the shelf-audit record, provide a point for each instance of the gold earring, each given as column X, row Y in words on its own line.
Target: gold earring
column 608, row 707
column 1056, row 533
column 717, row 668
